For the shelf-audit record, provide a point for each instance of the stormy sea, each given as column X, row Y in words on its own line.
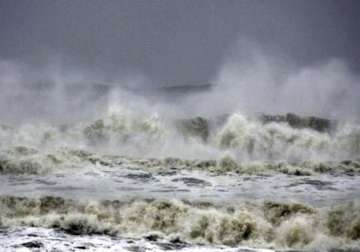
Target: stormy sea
column 264, row 157
column 90, row 167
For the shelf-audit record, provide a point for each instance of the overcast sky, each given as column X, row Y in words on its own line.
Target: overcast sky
column 173, row 41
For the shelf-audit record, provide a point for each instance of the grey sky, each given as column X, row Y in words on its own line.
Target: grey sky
column 175, row 41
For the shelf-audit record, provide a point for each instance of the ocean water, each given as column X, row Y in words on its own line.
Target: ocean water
column 129, row 180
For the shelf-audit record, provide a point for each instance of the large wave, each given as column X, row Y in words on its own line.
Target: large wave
column 256, row 224
column 123, row 131
column 59, row 120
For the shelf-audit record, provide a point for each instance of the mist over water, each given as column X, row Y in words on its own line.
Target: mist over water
column 180, row 125
column 117, row 141
column 249, row 80
column 253, row 80
column 138, row 118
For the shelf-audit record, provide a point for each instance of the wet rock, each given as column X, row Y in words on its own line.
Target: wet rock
column 295, row 121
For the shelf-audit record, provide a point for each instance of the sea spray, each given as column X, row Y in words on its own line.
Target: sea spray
column 289, row 225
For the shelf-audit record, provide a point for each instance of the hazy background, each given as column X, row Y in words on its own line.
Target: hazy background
column 174, row 42
column 269, row 56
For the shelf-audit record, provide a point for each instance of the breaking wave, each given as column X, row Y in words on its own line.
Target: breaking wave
column 232, row 142
column 25, row 160
column 285, row 225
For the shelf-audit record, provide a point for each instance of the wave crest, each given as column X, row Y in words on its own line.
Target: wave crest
column 289, row 225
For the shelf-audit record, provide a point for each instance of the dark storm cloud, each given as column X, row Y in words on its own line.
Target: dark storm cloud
column 175, row 41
